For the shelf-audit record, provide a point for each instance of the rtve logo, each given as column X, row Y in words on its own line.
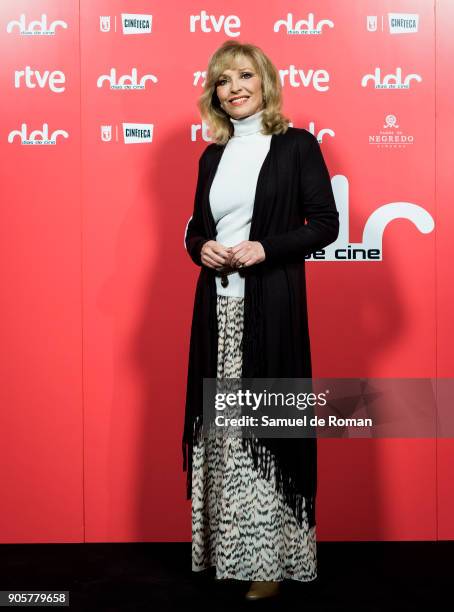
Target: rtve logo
column 37, row 137
column 371, row 246
column 206, row 21
column 34, row 78
column 302, row 26
column 390, row 81
column 35, row 28
column 295, row 77
column 203, row 129
column 127, row 81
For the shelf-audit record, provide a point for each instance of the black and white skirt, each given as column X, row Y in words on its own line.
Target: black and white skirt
column 240, row 523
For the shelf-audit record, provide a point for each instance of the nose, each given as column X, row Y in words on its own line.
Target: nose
column 236, row 85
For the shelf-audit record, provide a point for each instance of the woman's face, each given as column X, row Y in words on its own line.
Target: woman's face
column 241, row 82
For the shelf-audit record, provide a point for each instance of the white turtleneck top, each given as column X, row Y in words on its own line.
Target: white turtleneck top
column 233, row 188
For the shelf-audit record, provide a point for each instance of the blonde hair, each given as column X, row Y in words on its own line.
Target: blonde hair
column 221, row 128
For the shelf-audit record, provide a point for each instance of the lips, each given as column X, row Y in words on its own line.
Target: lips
column 239, row 100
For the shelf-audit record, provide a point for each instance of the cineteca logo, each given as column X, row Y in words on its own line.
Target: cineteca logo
column 133, row 133
column 302, row 26
column 126, row 81
column 371, row 246
column 137, row 133
column 398, row 23
column 403, row 23
column 36, row 137
column 390, row 81
column 210, row 23
column 35, row 28
column 391, row 135
column 131, row 23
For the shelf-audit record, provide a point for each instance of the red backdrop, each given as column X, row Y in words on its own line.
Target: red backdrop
column 97, row 287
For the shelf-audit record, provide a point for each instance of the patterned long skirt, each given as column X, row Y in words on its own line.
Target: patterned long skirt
column 240, row 523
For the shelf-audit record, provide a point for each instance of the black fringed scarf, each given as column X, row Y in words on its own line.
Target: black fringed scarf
column 293, row 185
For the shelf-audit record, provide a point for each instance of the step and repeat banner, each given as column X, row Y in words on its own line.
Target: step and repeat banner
column 100, row 141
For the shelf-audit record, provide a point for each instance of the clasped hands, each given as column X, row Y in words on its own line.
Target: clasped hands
column 224, row 259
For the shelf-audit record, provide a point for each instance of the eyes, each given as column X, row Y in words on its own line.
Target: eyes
column 222, row 80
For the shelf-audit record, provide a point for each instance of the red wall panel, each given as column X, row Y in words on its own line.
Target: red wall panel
column 98, row 290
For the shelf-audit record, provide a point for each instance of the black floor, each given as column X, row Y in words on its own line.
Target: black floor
column 363, row 576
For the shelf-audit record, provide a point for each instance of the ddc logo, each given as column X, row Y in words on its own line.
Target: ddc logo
column 127, row 81
column 371, row 247
column 390, row 81
column 35, row 27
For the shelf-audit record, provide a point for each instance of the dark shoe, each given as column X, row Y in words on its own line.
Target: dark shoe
column 263, row 589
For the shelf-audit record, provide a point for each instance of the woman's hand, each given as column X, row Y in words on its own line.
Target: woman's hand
column 247, row 253
column 215, row 255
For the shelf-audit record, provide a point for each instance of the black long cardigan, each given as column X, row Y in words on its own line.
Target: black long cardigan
column 293, row 186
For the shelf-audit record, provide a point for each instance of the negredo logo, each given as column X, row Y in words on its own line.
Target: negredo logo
column 35, row 28
column 33, row 78
column 391, row 135
column 127, row 81
column 227, row 23
column 37, row 137
column 390, row 81
column 302, row 26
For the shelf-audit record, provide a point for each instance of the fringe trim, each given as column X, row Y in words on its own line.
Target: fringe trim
column 262, row 458
column 187, row 448
column 252, row 345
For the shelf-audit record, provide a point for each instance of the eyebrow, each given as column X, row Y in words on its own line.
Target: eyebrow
column 239, row 69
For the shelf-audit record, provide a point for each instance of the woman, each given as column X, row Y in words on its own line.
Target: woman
column 253, row 500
